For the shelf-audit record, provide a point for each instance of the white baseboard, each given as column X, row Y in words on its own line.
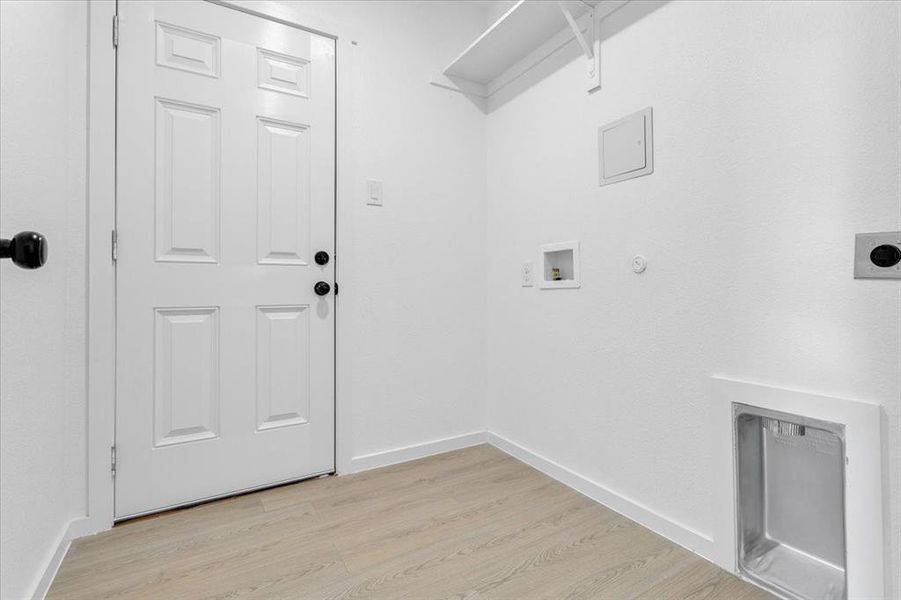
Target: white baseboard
column 408, row 453
column 671, row 529
column 76, row 528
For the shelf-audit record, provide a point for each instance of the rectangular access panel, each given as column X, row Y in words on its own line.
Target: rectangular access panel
column 790, row 486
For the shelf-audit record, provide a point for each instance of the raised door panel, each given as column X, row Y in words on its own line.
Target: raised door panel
column 187, row 182
column 283, row 73
column 283, row 179
column 283, row 366
column 186, row 375
column 187, row 50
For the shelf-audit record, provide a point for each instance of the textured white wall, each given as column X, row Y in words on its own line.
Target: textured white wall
column 411, row 295
column 776, row 130
column 42, row 313
column 417, row 309
column 411, row 298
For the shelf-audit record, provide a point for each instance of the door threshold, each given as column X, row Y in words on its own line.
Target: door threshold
column 150, row 514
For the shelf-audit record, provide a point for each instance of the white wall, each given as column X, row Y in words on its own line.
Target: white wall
column 42, row 313
column 416, row 317
column 776, row 131
column 411, row 296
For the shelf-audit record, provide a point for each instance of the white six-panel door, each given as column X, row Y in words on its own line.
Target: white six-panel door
column 225, row 192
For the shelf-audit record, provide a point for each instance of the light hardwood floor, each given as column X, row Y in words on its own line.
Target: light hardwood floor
column 473, row 524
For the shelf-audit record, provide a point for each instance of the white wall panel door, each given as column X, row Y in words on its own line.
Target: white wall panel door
column 226, row 171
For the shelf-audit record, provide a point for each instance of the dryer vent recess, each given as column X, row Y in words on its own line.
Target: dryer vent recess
column 791, row 503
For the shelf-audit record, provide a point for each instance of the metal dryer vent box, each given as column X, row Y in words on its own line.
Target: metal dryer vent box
column 790, row 495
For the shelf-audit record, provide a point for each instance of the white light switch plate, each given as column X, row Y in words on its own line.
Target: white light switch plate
column 374, row 192
column 528, row 274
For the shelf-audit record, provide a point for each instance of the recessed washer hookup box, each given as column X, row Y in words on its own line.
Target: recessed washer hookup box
column 790, row 495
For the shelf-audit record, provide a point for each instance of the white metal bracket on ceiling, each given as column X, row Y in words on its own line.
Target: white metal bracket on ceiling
column 589, row 40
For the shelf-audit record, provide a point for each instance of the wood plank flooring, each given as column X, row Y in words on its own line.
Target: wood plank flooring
column 474, row 524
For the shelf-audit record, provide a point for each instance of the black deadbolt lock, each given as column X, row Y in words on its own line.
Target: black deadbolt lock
column 322, row 288
column 27, row 249
column 885, row 256
column 321, row 257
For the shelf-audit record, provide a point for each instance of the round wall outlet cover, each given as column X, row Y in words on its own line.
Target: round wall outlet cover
column 639, row 264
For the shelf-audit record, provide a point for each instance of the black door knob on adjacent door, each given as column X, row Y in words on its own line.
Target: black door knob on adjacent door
column 322, row 288
column 321, row 257
column 27, row 249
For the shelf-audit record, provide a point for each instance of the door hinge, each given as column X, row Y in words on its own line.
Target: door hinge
column 115, row 31
column 114, row 245
column 112, row 460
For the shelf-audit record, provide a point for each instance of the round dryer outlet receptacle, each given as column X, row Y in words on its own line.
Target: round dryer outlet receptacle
column 639, row 264
column 885, row 256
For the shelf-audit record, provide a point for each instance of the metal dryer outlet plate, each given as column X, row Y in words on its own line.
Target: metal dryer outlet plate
column 877, row 255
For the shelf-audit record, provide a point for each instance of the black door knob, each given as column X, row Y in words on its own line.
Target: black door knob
column 27, row 249
column 322, row 288
column 321, row 257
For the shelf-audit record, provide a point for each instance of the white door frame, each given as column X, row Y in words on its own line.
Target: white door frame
column 101, row 279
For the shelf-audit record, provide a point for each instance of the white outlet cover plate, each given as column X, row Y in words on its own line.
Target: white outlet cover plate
column 528, row 274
